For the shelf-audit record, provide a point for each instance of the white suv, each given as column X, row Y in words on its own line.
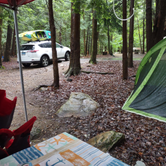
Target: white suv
column 41, row 53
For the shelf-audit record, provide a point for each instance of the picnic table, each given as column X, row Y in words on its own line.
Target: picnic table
column 61, row 150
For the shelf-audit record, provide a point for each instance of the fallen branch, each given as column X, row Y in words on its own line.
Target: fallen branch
column 95, row 72
column 41, row 86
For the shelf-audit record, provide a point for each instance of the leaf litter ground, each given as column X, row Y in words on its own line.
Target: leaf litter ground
column 145, row 138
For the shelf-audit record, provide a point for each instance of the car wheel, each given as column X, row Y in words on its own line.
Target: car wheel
column 26, row 64
column 44, row 61
column 67, row 56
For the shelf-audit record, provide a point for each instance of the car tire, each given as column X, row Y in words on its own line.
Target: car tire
column 26, row 64
column 67, row 56
column 44, row 61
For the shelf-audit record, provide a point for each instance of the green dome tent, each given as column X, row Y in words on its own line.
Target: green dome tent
column 149, row 95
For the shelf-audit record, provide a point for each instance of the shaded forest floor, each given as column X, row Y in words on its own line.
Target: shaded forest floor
column 145, row 138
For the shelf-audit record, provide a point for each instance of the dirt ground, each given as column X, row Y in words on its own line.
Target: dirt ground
column 33, row 77
column 145, row 138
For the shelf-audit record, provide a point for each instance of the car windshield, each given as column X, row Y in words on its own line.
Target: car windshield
column 27, row 47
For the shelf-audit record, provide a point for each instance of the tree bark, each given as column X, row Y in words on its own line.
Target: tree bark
column 89, row 43
column 159, row 21
column 143, row 37
column 53, row 41
column 74, row 66
column 94, row 41
column 148, row 24
column 125, row 69
column 109, row 48
column 60, row 36
column 139, row 35
column 131, row 39
column 8, row 44
column 13, row 50
column 86, row 44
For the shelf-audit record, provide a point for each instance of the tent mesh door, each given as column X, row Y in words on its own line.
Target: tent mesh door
column 152, row 98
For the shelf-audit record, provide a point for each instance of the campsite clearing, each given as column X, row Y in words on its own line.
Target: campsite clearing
column 145, row 137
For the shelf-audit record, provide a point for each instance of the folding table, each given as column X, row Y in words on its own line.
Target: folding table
column 61, row 150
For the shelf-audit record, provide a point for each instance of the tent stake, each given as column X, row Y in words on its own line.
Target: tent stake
column 20, row 65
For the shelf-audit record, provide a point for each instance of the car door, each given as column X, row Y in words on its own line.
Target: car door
column 59, row 50
column 49, row 47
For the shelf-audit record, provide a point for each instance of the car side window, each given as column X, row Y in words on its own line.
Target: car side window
column 49, row 45
column 43, row 45
column 58, row 46
column 46, row 45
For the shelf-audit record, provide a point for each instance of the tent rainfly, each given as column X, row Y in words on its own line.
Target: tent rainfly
column 149, row 95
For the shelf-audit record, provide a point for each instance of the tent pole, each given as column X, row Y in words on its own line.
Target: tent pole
column 20, row 64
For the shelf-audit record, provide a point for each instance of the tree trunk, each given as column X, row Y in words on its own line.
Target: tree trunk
column 60, row 36
column 13, row 50
column 148, row 24
column 109, row 48
column 159, row 21
column 130, row 57
column 74, row 67
column 89, row 43
column 125, row 69
column 53, row 41
column 86, row 44
column 143, row 37
column 139, row 35
column 0, row 37
column 94, row 42
column 8, row 44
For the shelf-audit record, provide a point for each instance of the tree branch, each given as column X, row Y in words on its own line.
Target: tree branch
column 95, row 72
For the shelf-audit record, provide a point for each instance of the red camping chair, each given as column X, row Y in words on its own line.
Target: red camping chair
column 5, row 136
column 21, row 137
column 3, row 153
column 7, row 108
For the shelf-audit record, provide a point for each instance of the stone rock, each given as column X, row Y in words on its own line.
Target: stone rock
column 69, row 79
column 79, row 104
column 35, row 133
column 140, row 163
column 105, row 141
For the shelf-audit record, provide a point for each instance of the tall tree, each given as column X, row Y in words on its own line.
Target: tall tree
column 125, row 69
column 74, row 66
column 13, row 49
column 109, row 48
column 53, row 41
column 8, row 43
column 139, row 35
column 94, row 40
column 131, row 37
column 86, row 42
column 143, row 37
column 148, row 24
column 159, row 21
